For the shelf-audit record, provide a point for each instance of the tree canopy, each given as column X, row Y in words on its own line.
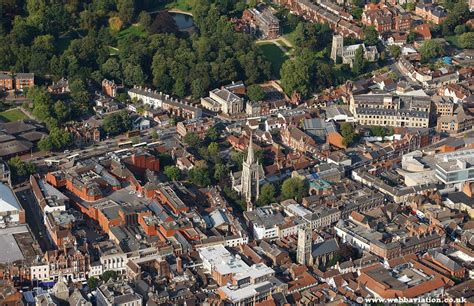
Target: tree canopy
column 73, row 38
column 348, row 134
column 117, row 123
column 172, row 172
column 255, row 93
column 20, row 169
column 431, row 49
column 359, row 63
column 371, row 36
column 293, row 188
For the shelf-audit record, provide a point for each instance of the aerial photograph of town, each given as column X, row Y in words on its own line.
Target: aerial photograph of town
column 236, row 152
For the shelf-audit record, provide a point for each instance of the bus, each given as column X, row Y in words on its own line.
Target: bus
column 121, row 151
column 50, row 162
column 141, row 144
column 151, row 144
column 125, row 144
column 72, row 156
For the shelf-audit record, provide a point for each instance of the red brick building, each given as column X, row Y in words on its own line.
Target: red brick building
column 109, row 88
column 6, row 80
column 145, row 161
column 24, row 80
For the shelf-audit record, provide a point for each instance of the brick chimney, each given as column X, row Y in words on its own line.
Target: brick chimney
column 179, row 265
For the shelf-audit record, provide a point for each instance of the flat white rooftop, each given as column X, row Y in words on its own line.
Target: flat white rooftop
column 9, row 250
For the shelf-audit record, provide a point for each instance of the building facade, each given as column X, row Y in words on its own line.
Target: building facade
column 347, row 53
column 250, row 179
column 390, row 110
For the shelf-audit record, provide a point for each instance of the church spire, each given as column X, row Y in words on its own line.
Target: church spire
column 250, row 154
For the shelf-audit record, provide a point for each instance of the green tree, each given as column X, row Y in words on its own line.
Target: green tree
column 267, row 194
column 92, row 283
column 466, row 40
column 220, row 172
column 212, row 134
column 411, row 37
column 348, row 133
column 358, row 65
column 172, row 172
column 379, row 131
column 213, row 150
column 410, row 7
column 431, row 49
column 198, row 87
column 255, row 93
column 20, row 169
column 60, row 138
column 371, row 36
column 110, row 274
column 237, row 158
column 133, row 75
column 144, row 19
column 293, row 188
column 296, row 77
column 80, row 95
column 45, row 144
column 192, row 140
column 117, row 123
column 460, row 29
column 126, row 10
column 199, row 175
column 112, row 69
column 395, row 51
column 61, row 111
column 357, row 13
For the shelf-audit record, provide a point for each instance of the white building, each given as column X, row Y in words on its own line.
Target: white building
column 230, row 103
column 455, row 167
column 10, row 209
column 158, row 100
column 39, row 272
column 353, row 234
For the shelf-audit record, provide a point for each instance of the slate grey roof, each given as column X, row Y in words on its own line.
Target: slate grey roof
column 325, row 247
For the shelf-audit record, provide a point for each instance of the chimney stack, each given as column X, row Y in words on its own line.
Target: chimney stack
column 179, row 265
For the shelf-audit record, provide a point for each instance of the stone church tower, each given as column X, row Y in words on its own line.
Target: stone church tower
column 337, row 47
column 250, row 177
column 304, row 246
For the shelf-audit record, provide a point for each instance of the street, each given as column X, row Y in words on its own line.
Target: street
column 33, row 218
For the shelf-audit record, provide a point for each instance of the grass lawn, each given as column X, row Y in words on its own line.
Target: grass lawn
column 454, row 40
column 183, row 5
column 133, row 30
column 12, row 115
column 275, row 55
column 63, row 42
column 283, row 43
column 289, row 34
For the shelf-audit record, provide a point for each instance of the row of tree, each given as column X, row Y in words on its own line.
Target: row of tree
column 41, row 39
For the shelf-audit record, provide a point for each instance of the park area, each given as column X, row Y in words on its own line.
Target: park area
column 179, row 5
column 275, row 55
column 12, row 115
column 133, row 30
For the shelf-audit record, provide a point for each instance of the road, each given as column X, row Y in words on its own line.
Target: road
column 33, row 218
column 99, row 148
